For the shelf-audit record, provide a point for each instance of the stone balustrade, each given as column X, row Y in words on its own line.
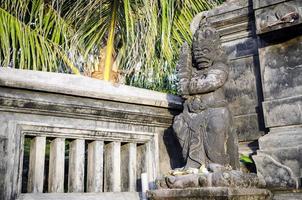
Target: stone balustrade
column 69, row 134
column 111, row 166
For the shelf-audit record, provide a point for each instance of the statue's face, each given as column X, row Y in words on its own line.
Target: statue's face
column 204, row 48
column 204, row 57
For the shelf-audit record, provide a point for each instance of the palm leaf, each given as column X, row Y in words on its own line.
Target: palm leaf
column 67, row 36
column 37, row 45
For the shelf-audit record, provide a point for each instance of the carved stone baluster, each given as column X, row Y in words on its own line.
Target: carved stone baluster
column 150, row 166
column 141, row 165
column 76, row 166
column 128, row 167
column 95, row 166
column 56, row 165
column 112, row 179
column 36, row 165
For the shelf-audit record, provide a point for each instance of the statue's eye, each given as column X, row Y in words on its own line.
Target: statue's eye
column 205, row 51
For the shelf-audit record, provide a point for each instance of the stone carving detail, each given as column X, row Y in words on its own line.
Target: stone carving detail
column 282, row 14
column 204, row 128
column 215, row 176
column 274, row 173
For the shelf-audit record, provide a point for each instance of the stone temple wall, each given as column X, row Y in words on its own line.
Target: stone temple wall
column 279, row 31
column 262, row 39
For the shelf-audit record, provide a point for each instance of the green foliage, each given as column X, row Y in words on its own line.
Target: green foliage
column 33, row 36
column 67, row 35
column 160, row 28
column 246, row 159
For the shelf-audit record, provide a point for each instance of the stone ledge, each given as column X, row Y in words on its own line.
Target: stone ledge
column 84, row 87
column 210, row 193
column 289, row 194
column 283, row 112
column 82, row 196
column 260, row 3
column 51, row 104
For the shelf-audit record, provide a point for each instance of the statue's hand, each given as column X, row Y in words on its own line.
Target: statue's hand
column 184, row 87
column 193, row 84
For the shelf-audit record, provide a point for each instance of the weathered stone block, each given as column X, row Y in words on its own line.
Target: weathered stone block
column 241, row 88
column 273, row 15
column 248, row 127
column 283, row 112
column 274, row 173
column 285, row 137
column 279, row 160
column 210, row 193
column 241, row 48
column 281, row 68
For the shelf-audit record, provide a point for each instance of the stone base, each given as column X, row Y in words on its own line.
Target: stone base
column 279, row 160
column 287, row 194
column 210, row 193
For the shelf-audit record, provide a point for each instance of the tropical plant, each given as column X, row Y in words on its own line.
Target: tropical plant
column 140, row 37
column 160, row 28
column 246, row 159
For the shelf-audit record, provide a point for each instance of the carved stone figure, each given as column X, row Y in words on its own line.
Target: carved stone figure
column 204, row 128
column 216, row 176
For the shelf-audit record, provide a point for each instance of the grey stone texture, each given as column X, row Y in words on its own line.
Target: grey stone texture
column 235, row 22
column 72, row 108
column 279, row 32
column 277, row 14
column 262, row 39
column 211, row 193
column 204, row 128
column 292, row 195
column 279, row 160
column 83, row 196
column 215, row 176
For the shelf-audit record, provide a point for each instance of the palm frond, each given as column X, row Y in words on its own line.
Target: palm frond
column 37, row 43
column 68, row 35
column 159, row 33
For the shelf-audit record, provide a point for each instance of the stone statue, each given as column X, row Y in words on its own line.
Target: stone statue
column 204, row 128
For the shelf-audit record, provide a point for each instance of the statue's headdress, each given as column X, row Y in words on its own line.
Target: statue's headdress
column 207, row 33
column 206, row 46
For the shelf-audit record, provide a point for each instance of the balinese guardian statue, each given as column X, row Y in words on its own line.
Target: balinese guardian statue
column 204, row 129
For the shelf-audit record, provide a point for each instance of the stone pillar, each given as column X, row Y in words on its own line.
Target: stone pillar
column 36, row 165
column 279, row 29
column 76, row 166
column 3, row 154
column 112, row 173
column 95, row 166
column 56, row 165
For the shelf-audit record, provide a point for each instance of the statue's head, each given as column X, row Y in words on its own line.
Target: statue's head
column 206, row 46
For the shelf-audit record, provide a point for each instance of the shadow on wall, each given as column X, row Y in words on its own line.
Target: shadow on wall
column 171, row 143
column 173, row 148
